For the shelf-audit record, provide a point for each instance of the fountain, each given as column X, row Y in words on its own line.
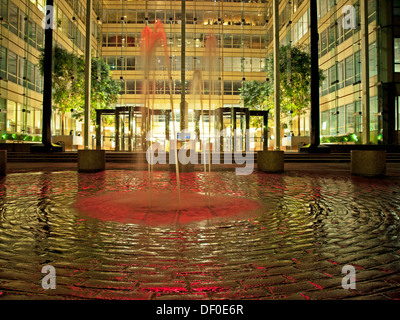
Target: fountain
column 172, row 208
column 148, row 43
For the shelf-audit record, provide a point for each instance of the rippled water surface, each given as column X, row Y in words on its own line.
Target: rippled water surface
column 308, row 227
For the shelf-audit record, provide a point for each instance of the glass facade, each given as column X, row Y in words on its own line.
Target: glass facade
column 243, row 31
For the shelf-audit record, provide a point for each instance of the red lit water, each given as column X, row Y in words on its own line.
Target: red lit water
column 133, row 207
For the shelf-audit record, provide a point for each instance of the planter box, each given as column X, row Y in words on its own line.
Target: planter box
column 270, row 161
column 91, row 160
column 368, row 162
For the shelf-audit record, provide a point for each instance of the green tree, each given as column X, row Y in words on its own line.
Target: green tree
column 295, row 83
column 69, row 84
column 257, row 95
column 104, row 89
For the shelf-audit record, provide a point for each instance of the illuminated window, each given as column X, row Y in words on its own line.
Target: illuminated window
column 397, row 55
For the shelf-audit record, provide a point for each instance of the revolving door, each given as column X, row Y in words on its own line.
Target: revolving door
column 132, row 127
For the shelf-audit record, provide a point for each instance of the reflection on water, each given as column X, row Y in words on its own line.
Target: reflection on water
column 309, row 227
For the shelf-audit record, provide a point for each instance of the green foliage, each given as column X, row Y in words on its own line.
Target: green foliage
column 341, row 139
column 6, row 136
column 295, row 83
column 27, row 138
column 20, row 137
column 104, row 89
column 69, row 83
column 257, row 95
column 66, row 79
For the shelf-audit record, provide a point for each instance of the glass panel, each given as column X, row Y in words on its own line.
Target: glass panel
column 325, row 123
column 39, row 40
column 11, row 116
column 13, row 18
column 120, row 63
column 373, row 60
column 130, row 63
column 112, row 40
column 111, row 62
column 130, row 16
column 236, row 64
column 198, row 63
column 228, row 41
column 4, row 10
column 357, row 66
column 350, row 118
column 38, row 80
column 3, row 62
column 236, row 86
column 332, row 122
column 331, row 37
column 21, row 71
column 12, row 66
column 374, row 114
column 324, row 86
column 341, row 120
column 141, row 16
column 228, row 87
column 130, row 86
column 324, row 42
column 3, row 112
column 349, row 70
column 247, row 64
column 160, row 15
column 160, row 65
column 31, row 75
column 357, row 117
column 332, row 78
column 237, row 41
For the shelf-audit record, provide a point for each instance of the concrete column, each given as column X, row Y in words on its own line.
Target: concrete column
column 98, row 129
column 314, row 112
column 277, row 119
column 365, row 72
column 117, row 129
column 265, row 132
column 88, row 72
column 183, row 106
column 47, row 79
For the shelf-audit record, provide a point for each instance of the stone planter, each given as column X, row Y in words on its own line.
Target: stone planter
column 91, row 160
column 270, row 161
column 368, row 162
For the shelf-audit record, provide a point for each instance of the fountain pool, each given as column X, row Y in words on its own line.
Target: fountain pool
column 306, row 227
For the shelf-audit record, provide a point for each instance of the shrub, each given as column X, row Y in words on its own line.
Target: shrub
column 28, row 138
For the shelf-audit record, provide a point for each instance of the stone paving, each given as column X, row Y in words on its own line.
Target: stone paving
column 314, row 219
